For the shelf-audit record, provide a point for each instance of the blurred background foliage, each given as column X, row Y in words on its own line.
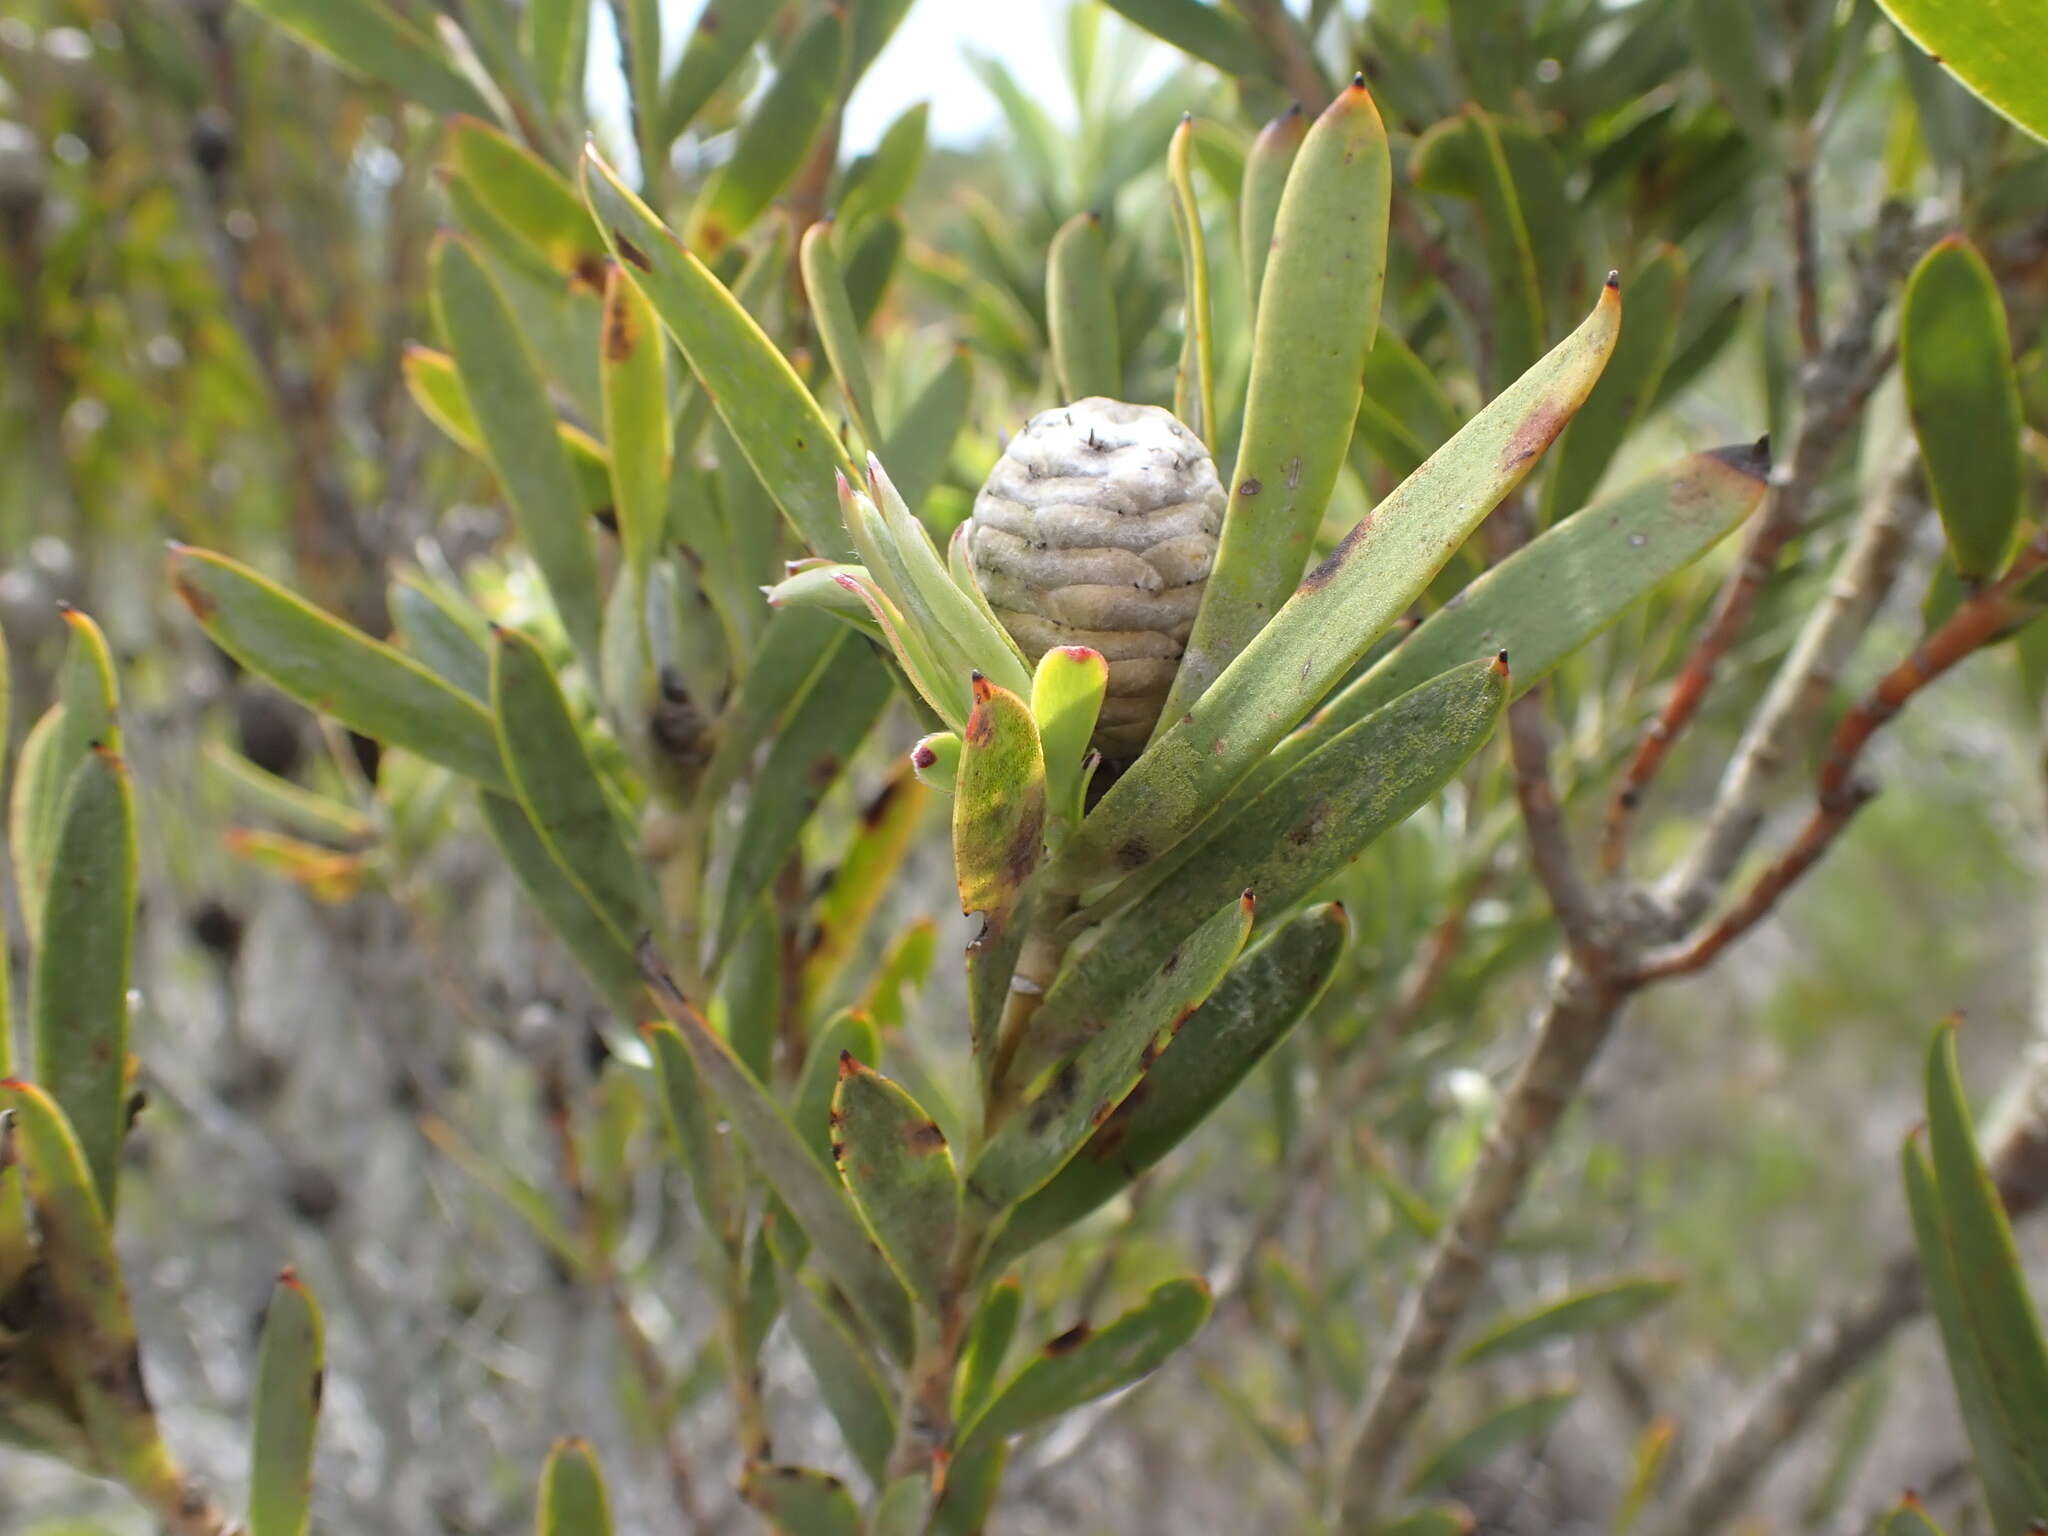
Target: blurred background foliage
column 363, row 1056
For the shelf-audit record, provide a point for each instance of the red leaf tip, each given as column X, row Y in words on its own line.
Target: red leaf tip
column 1614, row 280
column 848, row 1066
column 1500, row 663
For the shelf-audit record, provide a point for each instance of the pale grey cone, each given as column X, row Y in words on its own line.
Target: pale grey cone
column 1098, row 527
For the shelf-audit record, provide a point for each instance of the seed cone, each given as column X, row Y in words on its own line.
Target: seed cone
column 1098, row 527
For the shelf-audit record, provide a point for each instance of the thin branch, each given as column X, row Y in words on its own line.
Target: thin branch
column 1805, row 682
column 1583, row 1008
column 1288, row 46
column 1550, row 848
column 1805, row 259
column 1834, row 392
column 1839, row 793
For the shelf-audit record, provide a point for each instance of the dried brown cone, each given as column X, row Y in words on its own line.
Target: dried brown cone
column 1098, row 527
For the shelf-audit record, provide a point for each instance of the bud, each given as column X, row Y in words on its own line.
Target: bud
column 1098, row 527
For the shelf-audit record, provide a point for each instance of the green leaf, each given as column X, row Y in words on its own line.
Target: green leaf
column 774, row 141
column 1405, row 416
column 1266, row 169
column 1991, row 1286
column 795, row 647
column 370, row 39
column 857, row 885
column 529, row 197
column 1318, row 308
column 899, row 1170
column 1340, row 609
column 691, row 1119
column 572, row 1493
column 1252, row 1009
column 852, row 1388
column 922, row 435
column 1066, row 697
column 1656, row 296
column 636, row 421
column 877, row 183
column 561, row 902
column 1080, row 311
column 725, row 34
column 1081, row 1365
column 1464, row 157
column 1200, row 30
column 988, row 1342
column 780, row 430
column 999, row 800
column 800, row 1501
column 95, row 1348
column 1593, row 1309
column 436, row 388
column 1564, row 587
column 904, row 1509
column 84, row 717
column 1992, row 47
column 557, row 40
column 824, row 726
column 285, row 1410
column 837, row 1237
column 1956, row 358
column 1529, row 1418
column 1077, row 1063
column 1194, row 390
column 1724, row 38
column 517, row 425
column 305, row 810
column 1909, row 1519
column 559, row 787
column 850, row 1032
column 832, row 313
column 78, row 996
column 1491, row 40
column 1437, row 1520
column 531, row 1204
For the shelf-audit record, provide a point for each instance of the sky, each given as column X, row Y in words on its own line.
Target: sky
column 922, row 63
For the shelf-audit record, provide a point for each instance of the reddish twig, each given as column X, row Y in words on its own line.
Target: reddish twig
column 1550, row 849
column 1839, row 793
column 1805, row 260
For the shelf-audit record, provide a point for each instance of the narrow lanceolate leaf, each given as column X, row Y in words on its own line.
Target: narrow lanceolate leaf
column 1724, row 37
column 827, row 722
column 838, row 1239
column 2010, row 1487
column 517, row 424
column 84, row 717
column 1080, row 311
column 1990, row 48
column 832, row 312
column 1074, row 1065
column 557, row 39
column 558, row 785
column 800, row 1501
column 1308, row 823
column 572, row 1493
column 1463, row 157
column 1990, row 1282
column 1564, row 587
column 1194, row 393
column 998, row 801
column 1956, row 357
column 1319, row 305
column 780, row 430
column 774, row 140
column 794, row 648
column 726, row 32
column 1436, row 1520
column 1199, row 29
column 920, row 436
column 436, row 388
column 96, row 1346
column 1082, row 1364
column 988, row 1344
column 850, row 1032
column 899, row 1170
column 1528, row 1419
column 636, row 421
column 904, row 1508
column 566, row 908
column 855, row 887
column 1909, row 1519
column 530, row 198
column 1265, row 179
column 691, row 1119
column 1656, row 295
column 78, row 996
column 1265, row 995
column 1341, row 608
column 290, row 1369
column 373, row 41
column 849, row 1381
column 1066, row 696
column 877, row 183
column 1593, row 1309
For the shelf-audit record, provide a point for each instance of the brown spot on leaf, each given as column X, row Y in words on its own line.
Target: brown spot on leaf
column 848, row 1067
column 619, row 340
column 1533, row 436
column 630, row 253
column 1250, row 486
column 838, row 1152
column 872, row 813
column 924, row 1139
column 1320, row 577
column 1133, row 854
column 1066, row 1343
